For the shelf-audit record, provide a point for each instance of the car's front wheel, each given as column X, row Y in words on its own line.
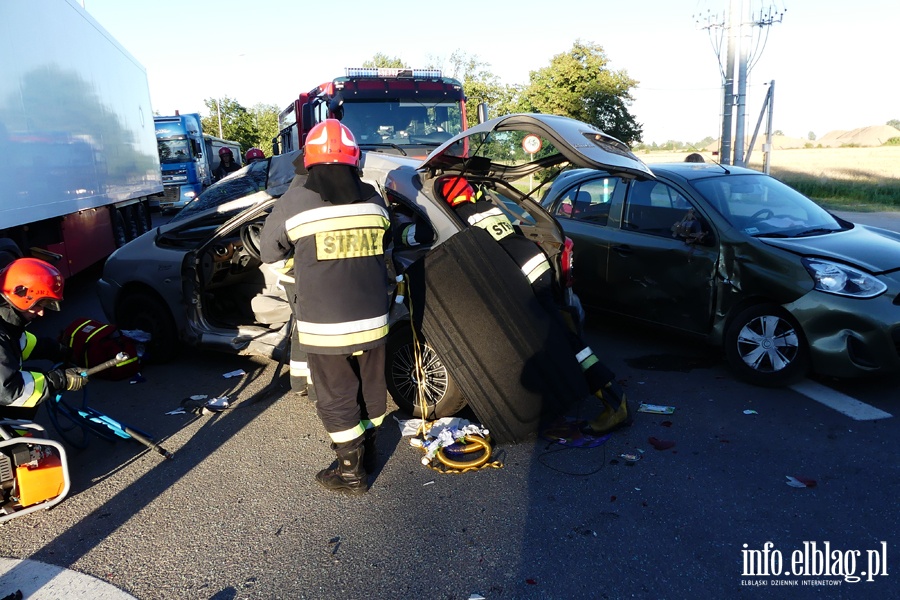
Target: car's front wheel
column 441, row 396
column 765, row 346
column 148, row 313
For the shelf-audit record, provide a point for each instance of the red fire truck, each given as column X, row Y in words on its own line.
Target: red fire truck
column 394, row 110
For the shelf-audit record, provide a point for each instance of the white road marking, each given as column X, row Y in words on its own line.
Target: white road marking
column 42, row 581
column 853, row 408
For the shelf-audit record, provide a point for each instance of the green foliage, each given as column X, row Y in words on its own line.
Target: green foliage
column 383, row 60
column 481, row 86
column 579, row 84
column 894, row 141
column 254, row 127
column 895, row 123
column 811, row 137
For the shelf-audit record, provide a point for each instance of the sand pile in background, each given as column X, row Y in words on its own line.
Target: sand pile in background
column 874, row 135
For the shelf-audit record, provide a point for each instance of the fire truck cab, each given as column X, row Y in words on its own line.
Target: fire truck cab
column 394, row 110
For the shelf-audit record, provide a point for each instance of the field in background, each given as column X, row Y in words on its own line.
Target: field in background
column 861, row 178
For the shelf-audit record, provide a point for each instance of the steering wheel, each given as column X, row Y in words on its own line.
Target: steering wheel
column 250, row 236
column 762, row 214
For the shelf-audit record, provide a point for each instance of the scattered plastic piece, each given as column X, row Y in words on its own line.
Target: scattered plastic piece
column 660, row 444
column 137, row 335
column 138, row 378
column 237, row 373
column 656, row 409
column 428, row 483
column 573, row 432
column 177, row 411
column 666, row 423
column 531, row 582
column 216, row 404
column 628, row 457
column 477, row 597
column 750, row 411
column 800, row 482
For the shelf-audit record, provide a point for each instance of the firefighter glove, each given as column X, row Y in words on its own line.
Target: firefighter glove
column 67, row 379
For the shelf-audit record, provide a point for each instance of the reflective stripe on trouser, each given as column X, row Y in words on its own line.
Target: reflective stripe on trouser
column 535, row 267
column 596, row 373
column 299, row 365
column 351, row 391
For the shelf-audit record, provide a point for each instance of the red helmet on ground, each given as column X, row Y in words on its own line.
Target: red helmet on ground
column 456, row 190
column 330, row 142
column 255, row 154
column 224, row 151
column 27, row 283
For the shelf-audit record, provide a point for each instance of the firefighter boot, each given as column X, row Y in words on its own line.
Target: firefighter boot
column 348, row 476
column 370, row 453
column 611, row 417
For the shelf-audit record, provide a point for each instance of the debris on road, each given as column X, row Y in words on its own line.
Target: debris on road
column 800, row 482
column 656, row 409
column 660, row 444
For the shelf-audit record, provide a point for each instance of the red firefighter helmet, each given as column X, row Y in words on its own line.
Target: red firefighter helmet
column 330, row 142
column 456, row 190
column 224, row 151
column 27, row 283
column 254, row 154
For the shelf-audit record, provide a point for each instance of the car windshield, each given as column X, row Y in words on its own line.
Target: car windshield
column 760, row 205
column 174, row 151
column 402, row 123
column 243, row 182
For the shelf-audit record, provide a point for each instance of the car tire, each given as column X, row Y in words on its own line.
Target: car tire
column 148, row 313
column 442, row 397
column 765, row 346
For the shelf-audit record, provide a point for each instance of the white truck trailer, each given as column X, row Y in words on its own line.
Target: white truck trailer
column 78, row 161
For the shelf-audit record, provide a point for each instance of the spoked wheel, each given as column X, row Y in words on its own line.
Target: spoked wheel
column 442, row 397
column 765, row 346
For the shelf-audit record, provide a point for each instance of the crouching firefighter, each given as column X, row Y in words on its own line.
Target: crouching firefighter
column 28, row 286
column 535, row 266
column 336, row 226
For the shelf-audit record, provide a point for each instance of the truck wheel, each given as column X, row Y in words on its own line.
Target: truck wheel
column 442, row 396
column 142, row 218
column 119, row 235
column 766, row 347
column 132, row 226
column 148, row 313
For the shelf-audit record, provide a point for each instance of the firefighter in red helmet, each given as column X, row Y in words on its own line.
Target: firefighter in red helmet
column 227, row 166
column 253, row 155
column 28, row 286
column 336, row 227
column 468, row 205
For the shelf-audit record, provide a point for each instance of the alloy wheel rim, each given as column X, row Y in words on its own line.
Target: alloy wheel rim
column 768, row 344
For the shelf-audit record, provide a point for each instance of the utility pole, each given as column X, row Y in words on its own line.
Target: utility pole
column 744, row 31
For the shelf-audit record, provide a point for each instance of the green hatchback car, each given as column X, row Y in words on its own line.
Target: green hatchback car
column 741, row 259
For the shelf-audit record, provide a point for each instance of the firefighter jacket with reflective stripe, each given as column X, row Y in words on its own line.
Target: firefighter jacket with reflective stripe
column 527, row 254
column 17, row 387
column 341, row 291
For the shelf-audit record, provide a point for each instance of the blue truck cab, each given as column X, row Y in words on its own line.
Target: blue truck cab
column 188, row 157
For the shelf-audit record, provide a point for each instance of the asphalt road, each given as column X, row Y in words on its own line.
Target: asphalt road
column 237, row 514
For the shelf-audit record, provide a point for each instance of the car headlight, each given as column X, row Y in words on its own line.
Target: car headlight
column 835, row 278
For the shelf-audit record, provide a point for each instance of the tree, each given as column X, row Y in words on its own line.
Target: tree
column 579, row 84
column 481, row 86
column 383, row 60
column 250, row 128
column 895, row 123
column 811, row 137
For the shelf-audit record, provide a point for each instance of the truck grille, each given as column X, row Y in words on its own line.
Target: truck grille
column 170, row 194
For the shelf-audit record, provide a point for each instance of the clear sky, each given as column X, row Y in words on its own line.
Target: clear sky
column 834, row 63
